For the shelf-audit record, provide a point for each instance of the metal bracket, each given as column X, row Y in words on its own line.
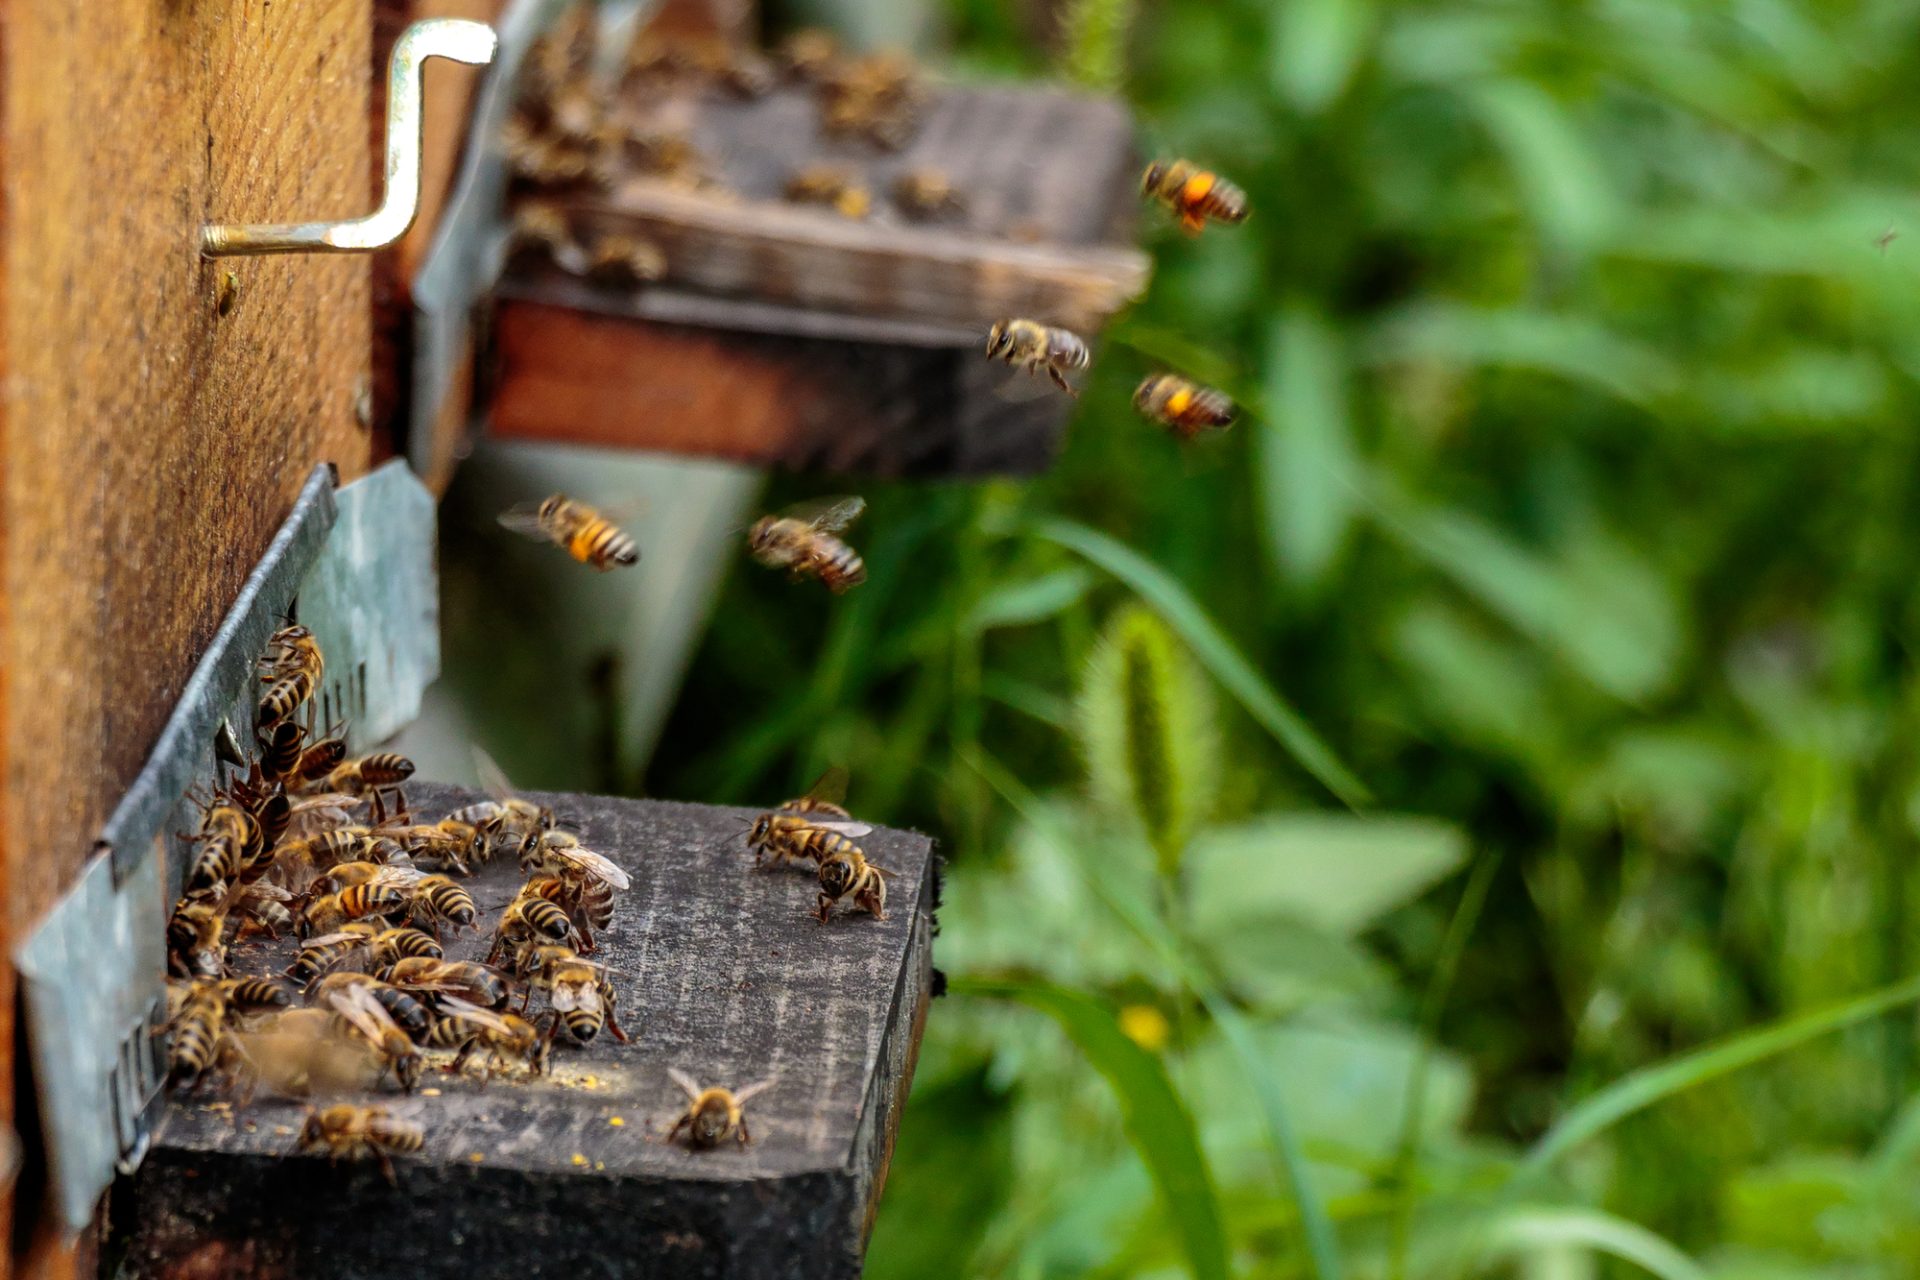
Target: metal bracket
column 359, row 563
column 470, row 42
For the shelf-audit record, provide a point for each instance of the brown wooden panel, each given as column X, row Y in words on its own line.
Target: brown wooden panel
column 148, row 444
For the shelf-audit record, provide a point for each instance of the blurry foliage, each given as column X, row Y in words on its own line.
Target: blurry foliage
column 1573, row 513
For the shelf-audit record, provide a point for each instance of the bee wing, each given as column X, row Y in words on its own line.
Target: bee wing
column 524, row 519
column 565, row 999
column 593, row 864
column 326, row 799
column 827, row 515
column 357, row 1005
column 267, row 889
column 741, row 1096
column 397, row 876
column 830, row 787
column 685, row 1082
column 848, row 829
column 492, row 777
column 473, row 1013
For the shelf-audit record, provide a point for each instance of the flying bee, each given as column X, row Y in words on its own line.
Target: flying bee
column 803, row 540
column 362, row 1011
column 438, row 901
column 1193, row 194
column 1035, row 347
column 1186, row 408
column 482, row 984
column 376, row 772
column 467, row 1027
column 625, row 260
column 831, row 186
column 847, row 872
column 584, row 533
column 713, row 1114
column 348, row 1132
column 196, row 1031
column 927, row 194
column 579, row 992
column 406, row 1009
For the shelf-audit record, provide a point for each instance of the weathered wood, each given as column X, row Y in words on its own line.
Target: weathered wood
column 571, row 370
column 721, row 971
column 148, row 444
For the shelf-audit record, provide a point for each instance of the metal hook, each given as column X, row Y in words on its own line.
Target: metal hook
column 473, row 43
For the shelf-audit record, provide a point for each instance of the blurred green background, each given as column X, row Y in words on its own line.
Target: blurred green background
column 1463, row 821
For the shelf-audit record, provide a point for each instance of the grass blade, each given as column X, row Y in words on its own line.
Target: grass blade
column 1157, row 1120
column 1183, row 613
column 1638, row 1090
column 1531, row 1227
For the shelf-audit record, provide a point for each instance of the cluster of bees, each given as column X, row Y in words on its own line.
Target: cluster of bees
column 304, row 840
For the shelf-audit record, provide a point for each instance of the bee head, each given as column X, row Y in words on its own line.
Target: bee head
column 762, row 831
column 312, row 1131
column 998, row 339
column 1143, row 394
column 761, row 534
column 1155, row 172
column 551, row 507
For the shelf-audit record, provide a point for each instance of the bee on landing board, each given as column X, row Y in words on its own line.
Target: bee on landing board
column 1184, row 407
column 927, row 194
column 348, row 1132
column 833, row 187
column 802, row 541
column 1193, row 194
column 846, row 873
column 1030, row 345
column 713, row 1114
column 813, row 827
column 584, row 533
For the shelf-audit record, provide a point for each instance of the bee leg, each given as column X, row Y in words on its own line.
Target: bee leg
column 673, row 1133
column 824, row 909
column 1060, row 381
column 742, row 1134
column 386, row 1167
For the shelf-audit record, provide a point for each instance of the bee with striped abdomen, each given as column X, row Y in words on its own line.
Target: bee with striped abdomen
column 376, row 772
column 578, row 992
column 468, row 1028
column 438, row 901
column 1037, row 348
column 1184, row 407
column 256, row 995
column 504, row 817
column 584, row 533
column 196, row 945
column 1194, row 194
column 713, row 1114
column 836, row 188
column 813, row 826
column 195, row 1032
column 482, row 984
column 387, row 895
column 804, row 541
column 847, row 873
column 324, row 953
column 360, row 1008
column 406, row 1009
column 349, row 1132
column 531, row 919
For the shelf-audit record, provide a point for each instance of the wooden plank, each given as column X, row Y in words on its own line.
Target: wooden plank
column 566, row 374
column 721, row 971
column 148, row 444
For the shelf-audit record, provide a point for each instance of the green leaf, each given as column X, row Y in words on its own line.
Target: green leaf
column 1030, row 600
column 1315, row 46
column 1559, row 176
column 1307, row 471
column 1148, row 733
column 1530, row 1228
column 1096, row 42
column 1157, row 1121
column 959, row 1125
column 1577, row 348
column 1338, row 872
column 1638, row 1090
column 1172, row 602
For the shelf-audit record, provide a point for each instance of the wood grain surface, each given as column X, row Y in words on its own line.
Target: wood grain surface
column 149, row 445
column 721, row 971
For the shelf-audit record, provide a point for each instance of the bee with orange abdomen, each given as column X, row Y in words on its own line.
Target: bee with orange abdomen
column 803, row 541
column 1030, row 345
column 1194, row 194
column 713, row 1114
column 382, row 896
column 1184, row 407
column 584, row 533
column 847, row 873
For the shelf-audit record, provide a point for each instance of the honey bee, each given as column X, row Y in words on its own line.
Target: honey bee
column 403, row 1007
column 586, row 899
column 813, row 826
column 438, row 901
column 579, row 992
column 560, row 854
column 291, row 669
column 847, row 872
column 349, row 1132
column 482, row 984
column 327, row 952
column 1186, row 408
column 713, row 1114
column 196, row 1031
column 376, row 772
column 585, row 534
column 539, row 229
column 280, row 754
column 263, row 909
column 927, row 194
column 231, row 843
column 827, row 185
column 531, row 919
column 196, row 947
column 803, row 541
column 256, row 995
column 876, row 98
column 807, row 55
column 1036, row 347
column 625, row 260
column 505, row 816
column 502, row 1036
column 1194, row 194
column 360, row 1008
column 389, row 895
column 662, row 153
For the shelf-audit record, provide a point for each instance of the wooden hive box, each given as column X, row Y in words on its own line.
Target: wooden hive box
column 721, row 971
column 795, row 336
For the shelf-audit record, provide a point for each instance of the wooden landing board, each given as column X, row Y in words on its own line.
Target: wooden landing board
column 721, row 971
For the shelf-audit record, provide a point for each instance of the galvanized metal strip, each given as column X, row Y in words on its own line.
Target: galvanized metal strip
column 224, row 672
